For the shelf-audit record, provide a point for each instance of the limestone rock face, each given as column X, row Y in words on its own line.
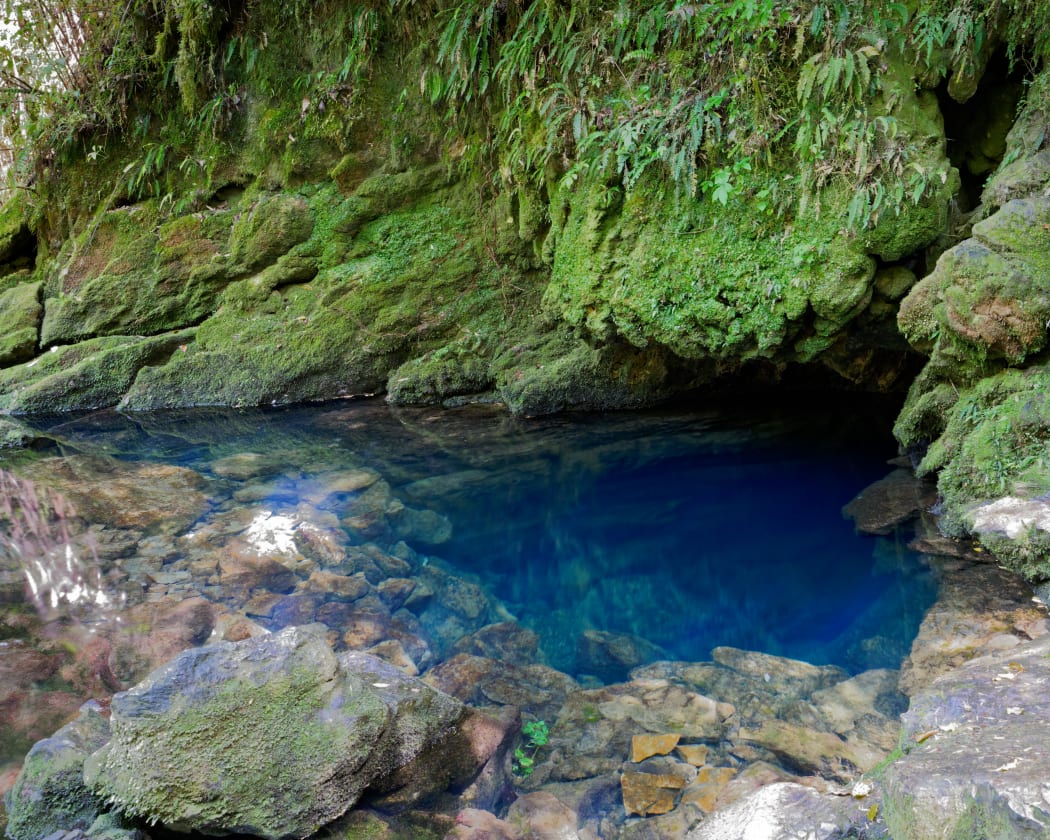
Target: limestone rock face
column 273, row 736
column 979, row 761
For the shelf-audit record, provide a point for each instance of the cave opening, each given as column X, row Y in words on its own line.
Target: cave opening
column 976, row 129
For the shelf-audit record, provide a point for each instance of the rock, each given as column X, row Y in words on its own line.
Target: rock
column 648, row 791
column 890, row 501
column 594, row 728
column 976, row 761
column 611, row 656
column 977, row 603
column 535, row 689
column 812, row 751
column 784, row 810
column 780, row 675
column 542, row 816
column 476, row 824
column 703, row 791
column 421, row 527
column 507, row 641
column 20, row 315
column 195, row 745
column 50, row 793
column 148, row 497
column 646, row 746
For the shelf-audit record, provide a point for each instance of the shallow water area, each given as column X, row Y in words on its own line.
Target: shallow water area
column 594, row 544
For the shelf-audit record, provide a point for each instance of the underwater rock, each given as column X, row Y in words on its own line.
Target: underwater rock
column 506, row 641
column 478, row 824
column 595, row 727
column 535, row 689
column 49, row 794
column 890, row 501
column 780, row 674
column 976, row 757
column 273, row 736
column 611, row 656
column 149, row 497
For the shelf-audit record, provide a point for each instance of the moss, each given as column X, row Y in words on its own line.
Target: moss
column 272, row 226
column 177, row 786
column 127, row 275
column 20, row 315
column 93, row 375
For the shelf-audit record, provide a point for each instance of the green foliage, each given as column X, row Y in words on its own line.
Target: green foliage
column 537, row 735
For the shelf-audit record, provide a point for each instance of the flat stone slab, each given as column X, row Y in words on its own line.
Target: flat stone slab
column 981, row 751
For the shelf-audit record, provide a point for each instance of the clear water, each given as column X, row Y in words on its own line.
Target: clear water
column 687, row 528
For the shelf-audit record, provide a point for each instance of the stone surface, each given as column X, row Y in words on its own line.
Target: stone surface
column 650, row 793
column 49, row 794
column 882, row 506
column 978, row 603
column 976, row 763
column 646, row 746
column 787, row 810
column 195, row 744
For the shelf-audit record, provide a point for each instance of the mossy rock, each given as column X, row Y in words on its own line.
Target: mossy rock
column 20, row 316
column 49, row 794
column 94, row 374
column 130, row 276
column 272, row 226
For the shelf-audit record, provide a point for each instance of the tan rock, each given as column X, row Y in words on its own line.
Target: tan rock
column 695, row 754
column 650, row 793
column 706, row 788
column 646, row 746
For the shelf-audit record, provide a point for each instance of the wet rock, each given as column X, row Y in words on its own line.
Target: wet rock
column 335, row 587
column 157, row 632
column 646, row 746
column 279, row 714
column 611, row 656
column 421, row 527
column 977, row 762
column 594, row 728
column 703, row 791
column 784, row 810
column 471, row 757
column 978, row 604
column 50, row 793
column 890, row 501
column 395, row 592
column 147, row 497
column 507, row 641
column 244, row 466
column 779, row 674
column 458, row 607
column 542, row 816
column 864, row 709
column 242, row 569
column 536, row 689
column 654, row 787
column 812, row 751
column 476, row 824
column 328, row 489
column 392, row 651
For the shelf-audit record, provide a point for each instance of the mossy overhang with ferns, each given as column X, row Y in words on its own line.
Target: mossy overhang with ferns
column 548, row 204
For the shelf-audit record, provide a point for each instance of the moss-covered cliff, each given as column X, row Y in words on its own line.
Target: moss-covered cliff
column 546, row 204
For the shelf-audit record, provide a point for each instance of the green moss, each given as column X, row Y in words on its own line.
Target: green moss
column 91, row 375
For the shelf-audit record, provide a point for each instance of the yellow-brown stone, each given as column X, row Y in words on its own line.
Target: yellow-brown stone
column 646, row 746
column 695, row 754
column 649, row 793
column 705, row 789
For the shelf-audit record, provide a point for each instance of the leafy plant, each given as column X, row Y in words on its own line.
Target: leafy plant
column 537, row 734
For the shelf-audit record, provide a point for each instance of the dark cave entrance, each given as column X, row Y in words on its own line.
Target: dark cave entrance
column 976, row 129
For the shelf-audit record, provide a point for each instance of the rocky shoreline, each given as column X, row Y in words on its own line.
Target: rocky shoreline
column 664, row 749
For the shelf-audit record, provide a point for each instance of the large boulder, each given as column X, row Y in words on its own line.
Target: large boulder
column 976, row 765
column 273, row 736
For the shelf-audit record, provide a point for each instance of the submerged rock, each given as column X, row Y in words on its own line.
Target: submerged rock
column 273, row 736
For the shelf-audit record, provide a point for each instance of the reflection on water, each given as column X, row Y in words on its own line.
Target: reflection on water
column 663, row 534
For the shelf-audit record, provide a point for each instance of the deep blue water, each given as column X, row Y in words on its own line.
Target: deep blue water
column 690, row 528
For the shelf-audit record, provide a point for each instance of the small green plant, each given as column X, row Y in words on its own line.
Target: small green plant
column 537, row 734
